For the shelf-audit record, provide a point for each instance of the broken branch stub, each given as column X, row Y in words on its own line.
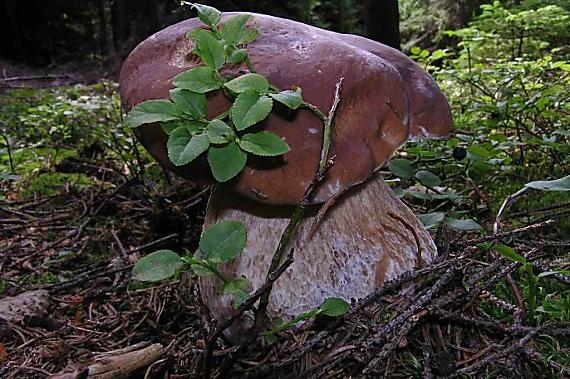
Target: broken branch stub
column 117, row 364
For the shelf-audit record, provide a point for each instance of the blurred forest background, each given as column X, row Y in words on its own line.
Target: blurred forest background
column 81, row 200
column 103, row 31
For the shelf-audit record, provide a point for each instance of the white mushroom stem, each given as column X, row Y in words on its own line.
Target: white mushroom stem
column 368, row 237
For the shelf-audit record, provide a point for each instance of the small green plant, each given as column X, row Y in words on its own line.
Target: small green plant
column 532, row 280
column 219, row 244
column 550, row 304
column 223, row 138
column 333, row 307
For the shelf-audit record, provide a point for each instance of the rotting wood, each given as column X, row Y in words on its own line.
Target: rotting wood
column 117, row 364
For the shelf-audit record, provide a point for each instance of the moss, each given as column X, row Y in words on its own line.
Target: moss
column 49, row 184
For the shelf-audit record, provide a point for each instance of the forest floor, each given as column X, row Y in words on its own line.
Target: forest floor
column 21, row 76
column 81, row 203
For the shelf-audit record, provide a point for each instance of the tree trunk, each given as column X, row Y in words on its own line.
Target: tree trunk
column 12, row 47
column 382, row 22
column 149, row 13
column 120, row 23
column 103, row 41
column 458, row 13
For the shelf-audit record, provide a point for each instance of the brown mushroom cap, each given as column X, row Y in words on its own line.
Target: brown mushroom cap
column 386, row 98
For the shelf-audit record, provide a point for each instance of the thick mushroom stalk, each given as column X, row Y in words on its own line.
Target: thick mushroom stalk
column 368, row 236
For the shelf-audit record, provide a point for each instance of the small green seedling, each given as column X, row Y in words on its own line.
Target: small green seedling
column 220, row 243
column 224, row 138
column 532, row 293
column 333, row 307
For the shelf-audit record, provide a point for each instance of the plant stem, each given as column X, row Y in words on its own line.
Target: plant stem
column 207, row 265
column 298, row 213
column 327, row 134
column 249, row 65
column 222, row 115
column 303, row 316
column 9, row 149
column 316, row 111
column 531, row 301
column 215, row 271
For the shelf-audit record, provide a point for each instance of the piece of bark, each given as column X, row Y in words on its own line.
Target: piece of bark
column 117, row 364
column 27, row 304
column 364, row 240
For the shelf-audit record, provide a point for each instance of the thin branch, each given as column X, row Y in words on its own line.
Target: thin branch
column 277, row 268
column 298, row 213
column 509, row 201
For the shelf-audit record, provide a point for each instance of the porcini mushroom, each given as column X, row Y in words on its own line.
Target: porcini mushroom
column 367, row 236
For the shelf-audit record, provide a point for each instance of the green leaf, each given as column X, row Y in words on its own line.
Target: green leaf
column 249, row 108
column 170, row 126
column 239, row 289
column 157, row 266
column 199, row 79
column 191, row 103
column 291, row 99
column 264, row 143
column 224, row 241
column 219, row 132
column 398, row 191
column 183, row 148
column 270, row 339
column 402, row 168
column 248, row 82
column 200, row 270
column 152, row 111
column 431, row 220
column 428, row 178
column 234, row 30
column 247, row 36
column 210, row 49
column 465, row 225
column 191, row 35
column 334, row 307
column 509, row 253
column 193, row 127
column 199, row 266
column 547, row 273
column 226, row 161
column 208, row 15
column 236, row 56
column 562, row 184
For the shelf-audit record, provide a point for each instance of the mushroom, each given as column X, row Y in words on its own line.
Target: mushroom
column 368, row 235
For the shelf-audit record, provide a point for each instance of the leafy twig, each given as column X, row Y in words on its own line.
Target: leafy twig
column 276, row 270
column 298, row 213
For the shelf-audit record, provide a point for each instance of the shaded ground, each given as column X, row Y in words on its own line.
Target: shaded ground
column 84, row 244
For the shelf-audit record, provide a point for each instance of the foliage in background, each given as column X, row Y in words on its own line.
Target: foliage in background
column 507, row 78
column 46, row 133
column 511, row 115
column 514, row 33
